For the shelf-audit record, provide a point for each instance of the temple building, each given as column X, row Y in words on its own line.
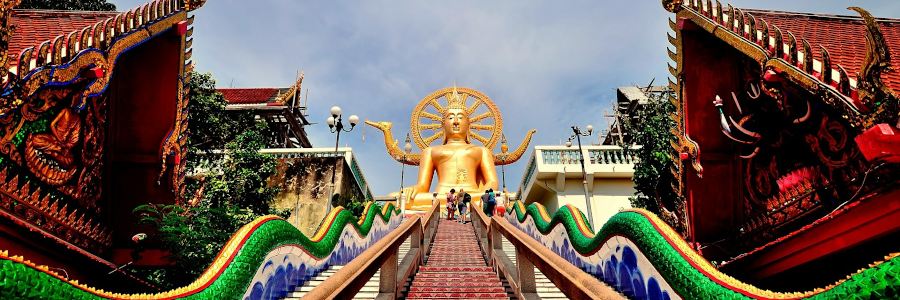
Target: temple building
column 93, row 119
column 280, row 108
column 630, row 101
column 787, row 140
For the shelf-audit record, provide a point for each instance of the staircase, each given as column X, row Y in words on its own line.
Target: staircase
column 368, row 291
column 545, row 288
column 455, row 269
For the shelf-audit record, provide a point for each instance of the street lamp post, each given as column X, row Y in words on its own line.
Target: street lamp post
column 406, row 149
column 336, row 126
column 503, row 172
column 577, row 134
column 503, row 167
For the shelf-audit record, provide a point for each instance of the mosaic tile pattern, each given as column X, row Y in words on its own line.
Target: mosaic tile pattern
column 260, row 260
column 640, row 256
column 618, row 262
column 290, row 266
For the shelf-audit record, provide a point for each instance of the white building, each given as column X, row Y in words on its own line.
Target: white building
column 553, row 178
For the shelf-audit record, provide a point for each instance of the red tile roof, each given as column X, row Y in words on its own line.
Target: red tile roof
column 250, row 95
column 34, row 27
column 843, row 36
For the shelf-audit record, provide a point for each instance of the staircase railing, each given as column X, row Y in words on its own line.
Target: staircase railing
column 570, row 280
column 481, row 223
column 383, row 255
column 265, row 258
column 642, row 257
column 431, row 224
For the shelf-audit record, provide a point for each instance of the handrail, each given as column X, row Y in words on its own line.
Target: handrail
column 665, row 262
column 431, row 224
column 570, row 280
column 252, row 261
column 346, row 282
column 383, row 255
column 481, row 222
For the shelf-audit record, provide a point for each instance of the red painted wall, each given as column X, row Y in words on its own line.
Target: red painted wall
column 142, row 103
column 141, row 96
column 712, row 68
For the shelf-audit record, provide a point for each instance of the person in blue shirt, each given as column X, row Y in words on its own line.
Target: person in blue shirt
column 491, row 203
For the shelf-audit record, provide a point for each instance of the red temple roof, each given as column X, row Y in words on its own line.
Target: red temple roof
column 843, row 36
column 33, row 27
column 251, row 95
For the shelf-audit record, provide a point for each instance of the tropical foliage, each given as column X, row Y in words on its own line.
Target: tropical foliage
column 350, row 203
column 653, row 180
column 226, row 189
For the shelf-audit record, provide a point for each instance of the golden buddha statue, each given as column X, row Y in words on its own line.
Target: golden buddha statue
column 459, row 164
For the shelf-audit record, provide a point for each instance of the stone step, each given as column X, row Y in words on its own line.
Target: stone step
column 414, row 295
column 426, row 269
column 369, row 289
column 480, row 283
column 454, row 289
column 365, row 288
column 440, row 282
column 546, row 289
column 455, row 268
column 461, row 281
column 482, row 275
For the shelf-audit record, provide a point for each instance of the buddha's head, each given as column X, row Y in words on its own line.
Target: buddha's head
column 456, row 120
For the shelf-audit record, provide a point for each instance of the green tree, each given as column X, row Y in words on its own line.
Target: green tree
column 193, row 235
column 245, row 173
column 210, row 127
column 227, row 189
column 350, row 203
column 95, row 5
column 653, row 179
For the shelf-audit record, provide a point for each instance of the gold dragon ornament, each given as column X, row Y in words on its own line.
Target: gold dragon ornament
column 444, row 124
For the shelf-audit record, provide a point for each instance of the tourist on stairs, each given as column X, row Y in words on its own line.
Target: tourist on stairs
column 466, row 199
column 501, row 204
column 490, row 204
column 460, row 209
column 451, row 204
column 484, row 201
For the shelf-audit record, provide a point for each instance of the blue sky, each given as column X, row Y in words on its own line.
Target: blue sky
column 546, row 64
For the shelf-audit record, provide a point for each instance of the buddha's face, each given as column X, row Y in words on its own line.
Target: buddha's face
column 456, row 124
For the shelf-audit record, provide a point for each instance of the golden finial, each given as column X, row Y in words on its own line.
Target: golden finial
column 455, row 100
